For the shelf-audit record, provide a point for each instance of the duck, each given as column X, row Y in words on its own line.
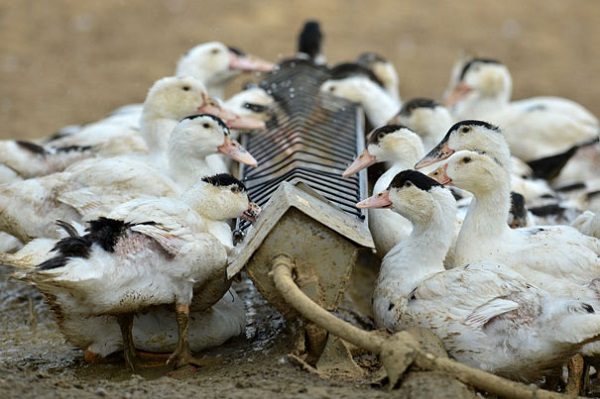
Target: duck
column 216, row 64
column 548, row 256
column 360, row 85
column 147, row 252
column 535, row 128
column 426, row 117
column 310, row 41
column 169, row 100
column 484, row 137
column 384, row 70
column 401, row 147
column 93, row 187
column 487, row 315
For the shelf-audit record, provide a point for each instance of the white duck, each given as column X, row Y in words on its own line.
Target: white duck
column 588, row 223
column 215, row 65
column 401, row 147
column 483, row 137
column 535, row 128
column 93, row 187
column 549, row 256
column 169, row 100
column 384, row 70
column 429, row 119
column 487, row 315
column 361, row 86
column 147, row 252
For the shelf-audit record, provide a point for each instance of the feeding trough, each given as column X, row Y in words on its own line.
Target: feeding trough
column 308, row 208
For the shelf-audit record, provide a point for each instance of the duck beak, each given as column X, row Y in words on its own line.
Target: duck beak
column 458, row 93
column 437, row 154
column 364, row 160
column 245, row 123
column 251, row 213
column 231, row 119
column 239, row 62
column 440, row 175
column 381, row 200
column 234, row 150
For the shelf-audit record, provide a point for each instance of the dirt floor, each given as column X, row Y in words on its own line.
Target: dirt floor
column 72, row 61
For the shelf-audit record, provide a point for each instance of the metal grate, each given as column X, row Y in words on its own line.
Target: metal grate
column 311, row 138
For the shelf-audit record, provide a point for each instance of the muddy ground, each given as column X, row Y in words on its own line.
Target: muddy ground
column 71, row 61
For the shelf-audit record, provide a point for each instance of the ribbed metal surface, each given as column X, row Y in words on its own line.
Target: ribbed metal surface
column 312, row 138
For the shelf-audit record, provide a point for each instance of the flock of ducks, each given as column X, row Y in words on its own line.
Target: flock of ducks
column 486, row 219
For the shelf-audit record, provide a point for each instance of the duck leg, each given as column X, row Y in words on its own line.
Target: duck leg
column 182, row 356
column 126, row 324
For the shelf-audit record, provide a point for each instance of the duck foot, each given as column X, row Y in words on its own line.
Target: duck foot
column 576, row 367
column 126, row 324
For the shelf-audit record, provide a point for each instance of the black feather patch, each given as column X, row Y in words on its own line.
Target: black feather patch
column 349, row 69
column 71, row 148
column 517, row 205
column 571, row 187
column 418, row 179
column 310, row 39
column 74, row 246
column 474, row 62
column 378, row 134
column 224, row 180
column 106, row 232
column 416, row 103
column 215, row 118
column 236, row 51
column 547, row 210
column 257, row 108
column 549, row 167
column 32, row 147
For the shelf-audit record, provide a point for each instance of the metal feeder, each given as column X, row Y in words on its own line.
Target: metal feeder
column 308, row 208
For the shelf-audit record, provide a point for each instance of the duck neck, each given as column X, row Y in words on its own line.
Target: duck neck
column 188, row 165
column 487, row 215
column 422, row 253
column 379, row 106
column 156, row 132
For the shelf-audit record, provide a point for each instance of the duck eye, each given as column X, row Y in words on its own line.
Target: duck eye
column 332, row 89
column 206, row 125
column 465, row 129
column 215, row 51
column 380, row 136
column 466, row 160
column 186, row 88
column 407, row 184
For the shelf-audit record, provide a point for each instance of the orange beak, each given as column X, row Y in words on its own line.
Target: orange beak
column 440, row 175
column 459, row 92
column 381, row 200
column 364, row 160
column 233, row 149
column 249, row 63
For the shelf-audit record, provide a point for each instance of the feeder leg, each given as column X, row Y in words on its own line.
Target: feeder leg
column 576, row 367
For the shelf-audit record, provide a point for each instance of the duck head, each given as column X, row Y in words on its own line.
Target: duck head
column 481, row 78
column 425, row 117
column 252, row 102
column 383, row 69
column 224, row 197
column 471, row 171
column 390, row 143
column 215, row 63
column 411, row 194
column 472, row 135
column 203, row 134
